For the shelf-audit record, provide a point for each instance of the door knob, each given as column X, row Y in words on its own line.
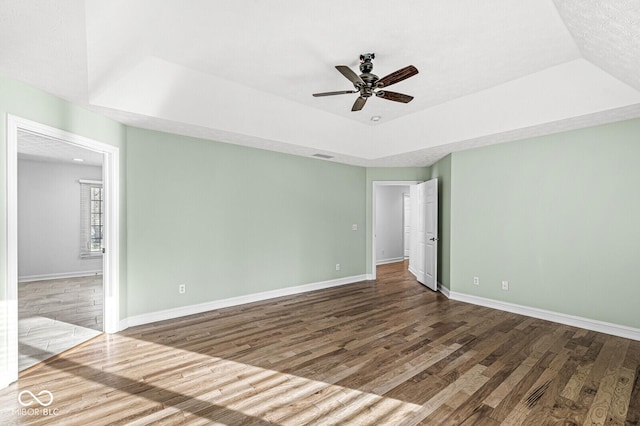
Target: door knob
column 433, row 239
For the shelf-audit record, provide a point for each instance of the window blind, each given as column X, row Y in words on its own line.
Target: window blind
column 91, row 218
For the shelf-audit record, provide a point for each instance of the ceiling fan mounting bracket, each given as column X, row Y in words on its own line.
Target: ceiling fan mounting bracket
column 365, row 62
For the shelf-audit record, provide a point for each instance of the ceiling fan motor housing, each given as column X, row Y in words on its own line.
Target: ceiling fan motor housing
column 366, row 66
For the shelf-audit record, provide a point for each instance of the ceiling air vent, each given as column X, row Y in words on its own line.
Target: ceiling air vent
column 325, row 156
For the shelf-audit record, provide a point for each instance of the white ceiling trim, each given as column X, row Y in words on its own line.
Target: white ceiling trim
column 169, row 92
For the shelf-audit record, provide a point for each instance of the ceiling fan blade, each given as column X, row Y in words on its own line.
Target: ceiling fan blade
column 359, row 103
column 352, row 76
column 397, row 76
column 340, row 92
column 394, row 96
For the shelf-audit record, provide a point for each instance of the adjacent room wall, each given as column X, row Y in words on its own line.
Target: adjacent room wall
column 389, row 223
column 557, row 216
column 49, row 226
column 228, row 221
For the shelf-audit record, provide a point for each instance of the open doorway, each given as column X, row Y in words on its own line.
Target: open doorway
column 16, row 127
column 391, row 224
column 388, row 201
column 387, row 225
column 60, row 224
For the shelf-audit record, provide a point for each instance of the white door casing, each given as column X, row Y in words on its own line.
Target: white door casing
column 111, row 264
column 423, row 257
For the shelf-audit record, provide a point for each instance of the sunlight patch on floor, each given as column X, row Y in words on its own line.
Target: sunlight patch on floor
column 40, row 338
column 282, row 398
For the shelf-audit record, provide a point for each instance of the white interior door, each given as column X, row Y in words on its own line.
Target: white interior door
column 414, row 260
column 423, row 257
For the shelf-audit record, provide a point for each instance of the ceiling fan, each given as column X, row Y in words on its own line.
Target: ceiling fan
column 368, row 84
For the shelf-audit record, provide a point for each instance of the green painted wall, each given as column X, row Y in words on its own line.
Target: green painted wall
column 556, row 216
column 227, row 220
column 390, row 174
column 27, row 102
column 442, row 171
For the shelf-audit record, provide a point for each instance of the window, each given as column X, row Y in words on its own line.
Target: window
column 97, row 207
column 92, row 218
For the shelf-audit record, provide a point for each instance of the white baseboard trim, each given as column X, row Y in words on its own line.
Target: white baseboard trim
column 6, row 379
column 391, row 260
column 575, row 321
column 123, row 325
column 369, row 277
column 442, row 289
column 413, row 271
column 62, row 275
column 234, row 301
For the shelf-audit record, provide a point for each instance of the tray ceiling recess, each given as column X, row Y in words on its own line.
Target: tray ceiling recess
column 242, row 72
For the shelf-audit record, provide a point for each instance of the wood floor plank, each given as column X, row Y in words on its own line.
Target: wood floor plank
column 597, row 414
column 385, row 352
column 632, row 363
column 469, row 380
column 564, row 364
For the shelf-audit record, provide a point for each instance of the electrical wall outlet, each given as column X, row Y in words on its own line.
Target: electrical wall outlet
column 354, row 227
column 476, row 281
column 182, row 288
column 505, row 285
column 337, row 266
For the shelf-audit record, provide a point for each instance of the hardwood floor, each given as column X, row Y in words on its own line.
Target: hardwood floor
column 77, row 301
column 371, row 353
column 56, row 315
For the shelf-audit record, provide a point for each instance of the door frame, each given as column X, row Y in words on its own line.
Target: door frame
column 377, row 184
column 111, row 262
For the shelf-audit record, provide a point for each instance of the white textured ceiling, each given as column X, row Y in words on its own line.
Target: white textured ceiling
column 37, row 147
column 243, row 72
